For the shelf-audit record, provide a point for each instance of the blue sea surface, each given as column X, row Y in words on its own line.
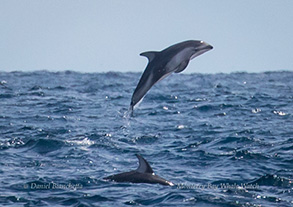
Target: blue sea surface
column 223, row 139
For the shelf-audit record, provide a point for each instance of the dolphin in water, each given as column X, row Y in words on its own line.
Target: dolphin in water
column 161, row 64
column 143, row 174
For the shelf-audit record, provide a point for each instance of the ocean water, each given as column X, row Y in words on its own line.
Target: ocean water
column 223, row 139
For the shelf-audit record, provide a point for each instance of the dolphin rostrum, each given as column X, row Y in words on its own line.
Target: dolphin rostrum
column 143, row 174
column 161, row 64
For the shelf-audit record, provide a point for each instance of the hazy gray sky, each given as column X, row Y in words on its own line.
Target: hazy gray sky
column 109, row 35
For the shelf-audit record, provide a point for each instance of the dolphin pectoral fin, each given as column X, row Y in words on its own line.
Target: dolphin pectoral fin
column 182, row 66
column 144, row 166
column 150, row 55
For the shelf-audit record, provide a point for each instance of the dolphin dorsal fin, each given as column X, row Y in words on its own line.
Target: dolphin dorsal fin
column 150, row 55
column 144, row 166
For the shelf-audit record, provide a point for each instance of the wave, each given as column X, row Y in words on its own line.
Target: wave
column 273, row 180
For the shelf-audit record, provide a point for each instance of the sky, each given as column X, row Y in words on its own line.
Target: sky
column 109, row 35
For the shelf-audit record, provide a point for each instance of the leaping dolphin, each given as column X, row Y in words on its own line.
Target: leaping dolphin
column 161, row 64
column 143, row 174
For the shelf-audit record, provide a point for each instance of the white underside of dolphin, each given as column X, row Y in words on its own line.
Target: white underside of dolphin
column 161, row 64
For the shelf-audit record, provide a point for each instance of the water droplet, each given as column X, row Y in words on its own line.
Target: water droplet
column 256, row 110
column 280, row 113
